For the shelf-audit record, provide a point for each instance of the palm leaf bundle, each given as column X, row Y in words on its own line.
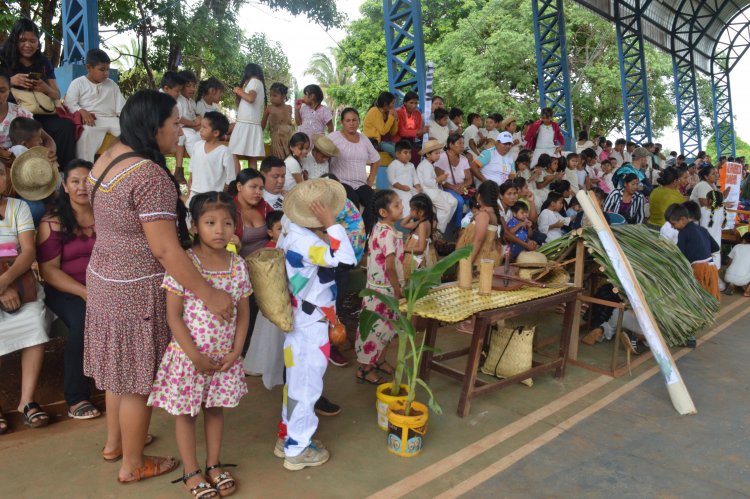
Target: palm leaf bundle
column 678, row 303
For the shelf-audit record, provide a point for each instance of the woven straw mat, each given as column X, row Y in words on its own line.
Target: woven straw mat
column 450, row 303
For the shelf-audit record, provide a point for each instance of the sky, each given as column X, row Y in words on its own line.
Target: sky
column 301, row 39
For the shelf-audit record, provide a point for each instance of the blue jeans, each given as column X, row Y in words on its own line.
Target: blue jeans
column 459, row 215
column 388, row 147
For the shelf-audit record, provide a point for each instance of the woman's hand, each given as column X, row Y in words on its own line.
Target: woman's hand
column 220, row 304
column 205, row 364
column 21, row 80
column 228, row 361
column 41, row 86
column 322, row 213
column 10, row 300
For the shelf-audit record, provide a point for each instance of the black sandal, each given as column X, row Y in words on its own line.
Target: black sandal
column 80, row 413
column 203, row 490
column 223, row 478
column 362, row 376
column 379, row 368
column 36, row 419
column 3, row 424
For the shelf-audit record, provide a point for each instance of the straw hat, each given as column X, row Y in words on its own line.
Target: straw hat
column 297, row 202
column 325, row 145
column 531, row 259
column 507, row 121
column 429, row 146
column 33, row 176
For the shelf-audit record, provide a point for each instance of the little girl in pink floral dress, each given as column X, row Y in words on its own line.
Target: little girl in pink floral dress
column 385, row 274
column 202, row 367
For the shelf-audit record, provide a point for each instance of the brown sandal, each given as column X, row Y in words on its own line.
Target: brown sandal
column 114, row 456
column 152, row 466
column 222, row 479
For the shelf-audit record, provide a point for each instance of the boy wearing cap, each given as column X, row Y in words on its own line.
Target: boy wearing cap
column 315, row 165
column 495, row 164
column 311, row 208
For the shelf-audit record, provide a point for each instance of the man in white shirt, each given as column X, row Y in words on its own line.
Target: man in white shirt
column 274, row 171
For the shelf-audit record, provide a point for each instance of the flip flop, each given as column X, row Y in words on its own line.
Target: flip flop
column 112, row 457
column 152, row 466
column 80, row 413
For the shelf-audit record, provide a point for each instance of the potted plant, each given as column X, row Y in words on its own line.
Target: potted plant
column 407, row 419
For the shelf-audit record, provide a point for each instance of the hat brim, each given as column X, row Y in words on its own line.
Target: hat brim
column 33, row 193
column 427, row 150
column 325, row 149
column 297, row 202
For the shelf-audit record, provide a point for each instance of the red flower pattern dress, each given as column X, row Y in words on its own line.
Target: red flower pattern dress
column 178, row 388
column 385, row 240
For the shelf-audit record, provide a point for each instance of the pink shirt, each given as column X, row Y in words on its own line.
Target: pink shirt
column 314, row 120
column 459, row 171
column 74, row 254
column 349, row 166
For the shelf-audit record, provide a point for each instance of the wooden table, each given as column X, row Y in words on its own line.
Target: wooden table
column 472, row 386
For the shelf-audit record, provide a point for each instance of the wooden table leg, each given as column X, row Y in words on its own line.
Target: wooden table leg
column 571, row 310
column 472, row 364
column 578, row 282
column 429, row 341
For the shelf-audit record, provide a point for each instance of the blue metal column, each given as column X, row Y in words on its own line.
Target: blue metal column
column 686, row 95
column 635, row 102
column 723, row 118
column 80, row 29
column 404, row 47
column 552, row 64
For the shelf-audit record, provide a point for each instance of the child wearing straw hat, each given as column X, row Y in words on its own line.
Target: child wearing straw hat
column 316, row 163
column 445, row 204
column 311, row 208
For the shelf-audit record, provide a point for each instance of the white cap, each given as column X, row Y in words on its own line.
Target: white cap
column 505, row 138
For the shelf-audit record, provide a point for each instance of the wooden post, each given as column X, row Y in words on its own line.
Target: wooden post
column 578, row 282
column 681, row 400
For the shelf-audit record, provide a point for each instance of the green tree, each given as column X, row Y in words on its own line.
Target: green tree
column 331, row 75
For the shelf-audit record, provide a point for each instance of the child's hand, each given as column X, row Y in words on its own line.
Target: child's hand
column 87, row 117
column 228, row 361
column 235, row 240
column 441, row 178
column 237, row 91
column 322, row 213
column 205, row 365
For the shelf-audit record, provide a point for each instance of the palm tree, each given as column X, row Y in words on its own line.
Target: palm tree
column 329, row 72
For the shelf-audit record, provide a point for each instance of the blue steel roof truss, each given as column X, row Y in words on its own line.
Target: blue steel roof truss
column 404, row 46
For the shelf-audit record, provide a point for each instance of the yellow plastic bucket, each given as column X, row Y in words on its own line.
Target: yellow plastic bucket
column 406, row 433
column 383, row 399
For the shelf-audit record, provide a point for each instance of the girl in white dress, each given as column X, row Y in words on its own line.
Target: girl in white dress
column 247, row 137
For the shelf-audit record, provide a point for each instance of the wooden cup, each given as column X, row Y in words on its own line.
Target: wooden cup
column 486, row 270
column 464, row 274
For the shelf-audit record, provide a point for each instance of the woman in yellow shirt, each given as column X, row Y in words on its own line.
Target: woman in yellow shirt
column 381, row 123
column 670, row 181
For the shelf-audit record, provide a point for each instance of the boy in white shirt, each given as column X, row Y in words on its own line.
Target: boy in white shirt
column 316, row 163
column 189, row 119
column 445, row 204
column 211, row 165
column 403, row 176
column 490, row 130
column 99, row 101
column 24, row 133
column 439, row 126
column 471, row 135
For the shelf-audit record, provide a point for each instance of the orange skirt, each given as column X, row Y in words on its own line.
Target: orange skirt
column 707, row 276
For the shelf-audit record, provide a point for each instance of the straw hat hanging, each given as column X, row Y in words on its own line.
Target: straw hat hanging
column 33, row 176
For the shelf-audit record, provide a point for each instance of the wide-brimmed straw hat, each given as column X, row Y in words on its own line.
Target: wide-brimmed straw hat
column 33, row 176
column 325, row 145
column 429, row 146
column 507, row 121
column 297, row 202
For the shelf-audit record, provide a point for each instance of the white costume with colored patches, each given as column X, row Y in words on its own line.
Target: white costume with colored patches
column 310, row 264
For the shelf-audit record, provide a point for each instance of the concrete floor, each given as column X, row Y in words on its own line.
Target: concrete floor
column 637, row 446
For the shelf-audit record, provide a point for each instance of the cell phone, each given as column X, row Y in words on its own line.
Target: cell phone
column 35, row 76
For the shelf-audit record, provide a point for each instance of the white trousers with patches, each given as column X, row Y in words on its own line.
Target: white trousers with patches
column 306, row 351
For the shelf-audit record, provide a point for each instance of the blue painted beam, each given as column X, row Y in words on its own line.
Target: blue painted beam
column 80, row 27
column 686, row 96
column 635, row 97
column 553, row 75
column 404, row 47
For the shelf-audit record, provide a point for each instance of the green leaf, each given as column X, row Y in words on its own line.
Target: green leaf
column 389, row 301
column 367, row 321
column 431, row 403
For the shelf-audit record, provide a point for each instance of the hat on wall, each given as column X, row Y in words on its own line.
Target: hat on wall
column 297, row 201
column 325, row 145
column 33, row 176
column 429, row 146
column 505, row 138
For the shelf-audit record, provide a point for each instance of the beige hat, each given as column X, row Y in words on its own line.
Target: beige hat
column 297, row 201
column 33, row 176
column 325, row 145
column 507, row 121
column 429, row 146
column 640, row 152
column 531, row 259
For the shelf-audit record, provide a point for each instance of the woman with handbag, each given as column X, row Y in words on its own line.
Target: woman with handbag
column 453, row 162
column 22, row 312
column 34, row 85
column 138, row 212
column 65, row 241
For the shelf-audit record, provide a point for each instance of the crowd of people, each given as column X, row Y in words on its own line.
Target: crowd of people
column 152, row 283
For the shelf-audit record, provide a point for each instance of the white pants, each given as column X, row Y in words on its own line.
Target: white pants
column 188, row 139
column 93, row 136
column 445, row 207
column 306, row 352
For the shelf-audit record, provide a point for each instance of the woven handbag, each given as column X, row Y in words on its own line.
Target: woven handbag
column 268, row 277
column 510, row 352
column 34, row 101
